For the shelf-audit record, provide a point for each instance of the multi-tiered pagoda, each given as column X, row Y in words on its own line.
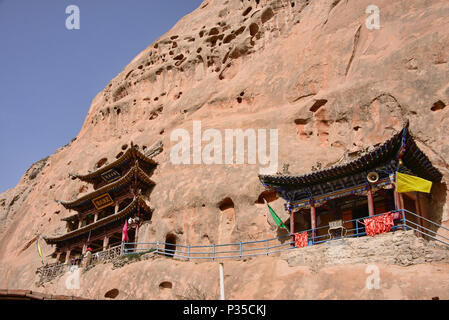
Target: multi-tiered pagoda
column 120, row 190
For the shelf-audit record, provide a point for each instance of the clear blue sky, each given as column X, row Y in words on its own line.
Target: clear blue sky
column 49, row 75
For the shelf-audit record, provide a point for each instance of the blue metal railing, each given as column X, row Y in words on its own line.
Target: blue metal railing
column 357, row 231
column 266, row 247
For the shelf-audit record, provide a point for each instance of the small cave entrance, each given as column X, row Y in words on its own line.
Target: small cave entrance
column 225, row 204
column 318, row 104
column 269, row 195
column 439, row 105
column 101, row 162
column 226, row 220
column 170, row 245
column 112, row 294
column 119, row 155
column 166, row 285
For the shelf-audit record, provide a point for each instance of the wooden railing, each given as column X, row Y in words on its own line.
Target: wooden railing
column 106, row 255
column 51, row 271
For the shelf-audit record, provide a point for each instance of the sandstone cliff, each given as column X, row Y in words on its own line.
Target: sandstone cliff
column 312, row 70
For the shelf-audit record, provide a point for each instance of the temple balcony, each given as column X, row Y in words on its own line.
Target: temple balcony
column 102, row 234
column 407, row 222
column 334, row 245
column 51, row 271
column 90, row 217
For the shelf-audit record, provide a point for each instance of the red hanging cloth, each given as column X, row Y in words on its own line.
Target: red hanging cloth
column 301, row 240
column 125, row 232
column 378, row 224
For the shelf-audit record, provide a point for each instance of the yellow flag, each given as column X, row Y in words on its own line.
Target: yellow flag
column 39, row 250
column 407, row 183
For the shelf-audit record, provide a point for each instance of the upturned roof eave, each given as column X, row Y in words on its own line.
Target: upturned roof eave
column 316, row 177
column 126, row 156
column 125, row 179
column 139, row 201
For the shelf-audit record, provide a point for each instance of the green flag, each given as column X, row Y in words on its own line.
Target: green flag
column 276, row 219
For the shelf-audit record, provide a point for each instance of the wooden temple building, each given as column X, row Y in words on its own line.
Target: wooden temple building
column 120, row 190
column 359, row 188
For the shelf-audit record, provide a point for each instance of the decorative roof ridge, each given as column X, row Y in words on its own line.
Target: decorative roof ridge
column 397, row 143
column 106, row 188
column 402, row 144
column 137, row 201
column 133, row 150
column 337, row 166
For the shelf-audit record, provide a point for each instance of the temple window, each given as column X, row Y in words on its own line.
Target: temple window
column 72, row 225
column 125, row 203
column 96, row 245
column 90, row 219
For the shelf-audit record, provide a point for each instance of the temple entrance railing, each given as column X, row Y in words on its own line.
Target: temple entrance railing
column 402, row 223
column 271, row 246
column 425, row 231
column 51, row 271
column 106, row 255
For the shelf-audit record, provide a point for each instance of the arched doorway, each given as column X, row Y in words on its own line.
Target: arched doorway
column 170, row 245
column 226, row 220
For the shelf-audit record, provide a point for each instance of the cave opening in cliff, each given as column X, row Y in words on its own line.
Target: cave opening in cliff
column 226, row 204
column 170, row 245
column 112, row 294
column 268, row 195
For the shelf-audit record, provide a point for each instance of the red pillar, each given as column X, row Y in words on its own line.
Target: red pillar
column 418, row 212
column 401, row 200
column 105, row 243
column 67, row 255
column 397, row 202
column 136, row 237
column 313, row 219
column 370, row 202
column 292, row 222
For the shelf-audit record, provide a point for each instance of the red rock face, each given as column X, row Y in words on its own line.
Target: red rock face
column 311, row 69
